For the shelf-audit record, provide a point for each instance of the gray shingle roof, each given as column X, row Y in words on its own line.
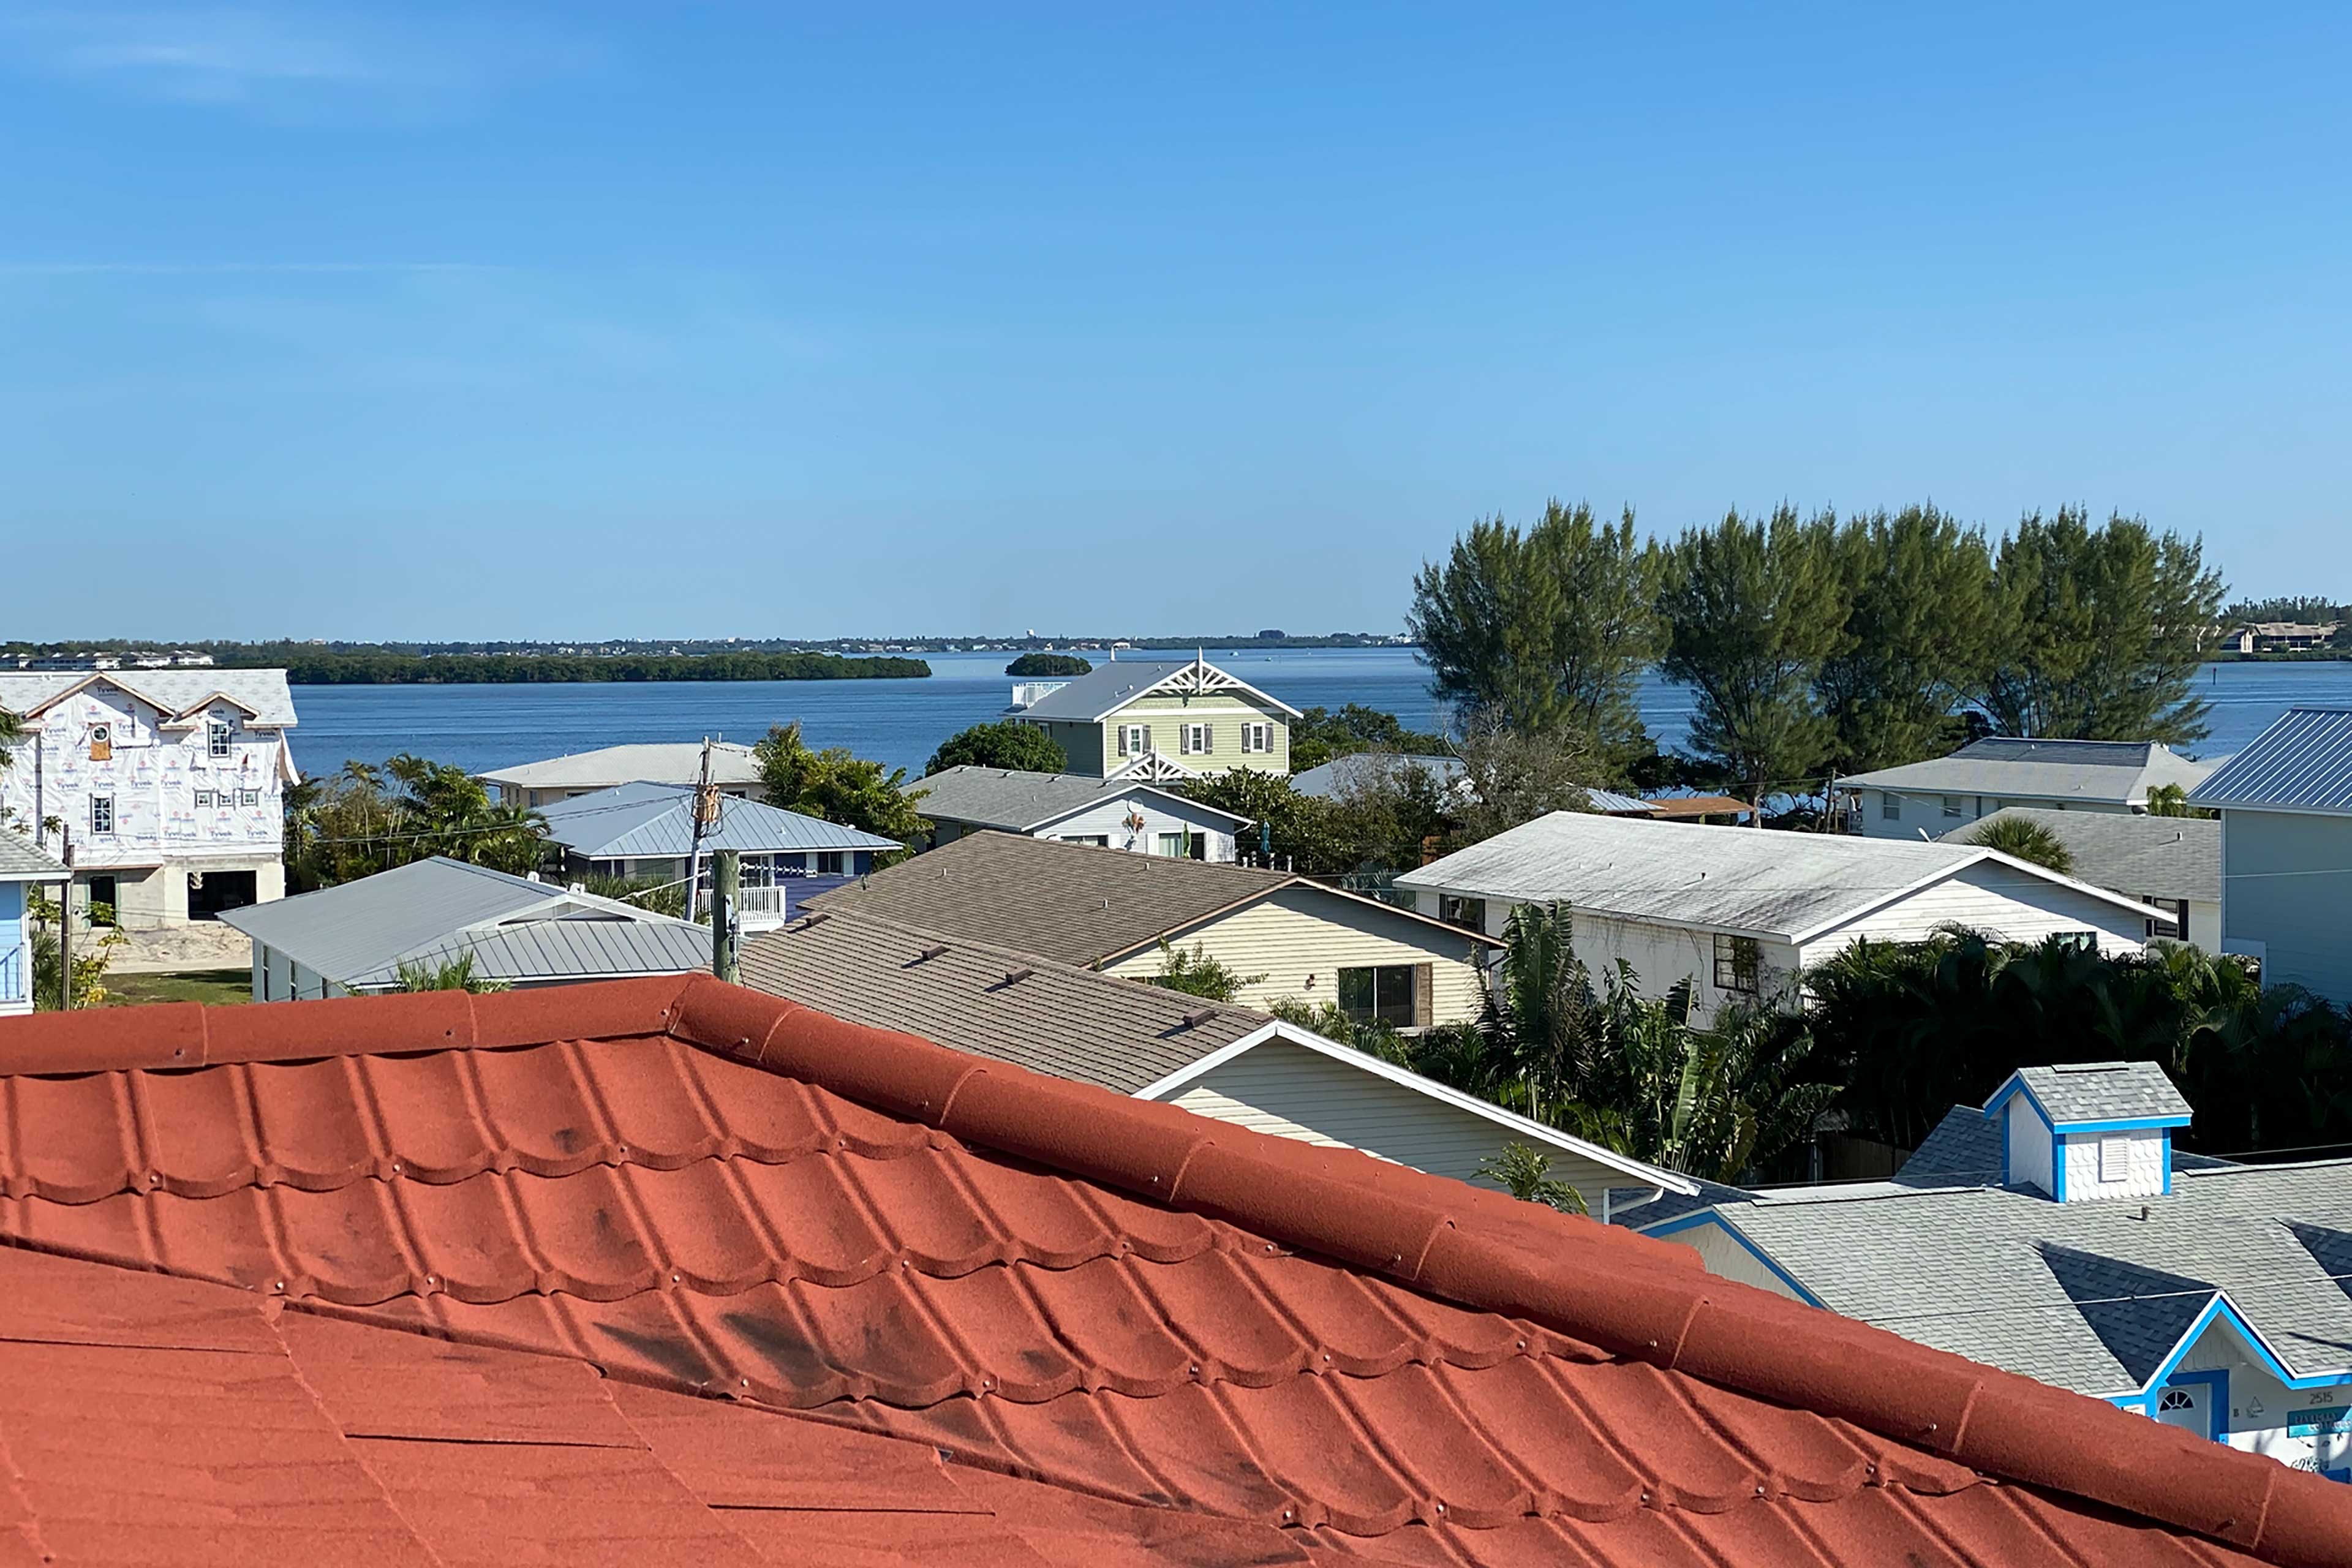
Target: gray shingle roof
column 21, row 862
column 1023, row 802
column 263, row 691
column 2103, row 1091
column 1784, row 885
column 1968, row 1269
column 1120, row 1034
column 1073, row 904
column 671, row 763
column 1964, row 1149
column 359, row 933
column 1110, row 686
column 2146, row 857
column 657, row 821
column 2301, row 762
column 2115, row 772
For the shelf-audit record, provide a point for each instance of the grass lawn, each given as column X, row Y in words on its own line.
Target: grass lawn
column 194, row 986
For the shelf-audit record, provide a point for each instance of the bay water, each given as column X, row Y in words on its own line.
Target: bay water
column 900, row 722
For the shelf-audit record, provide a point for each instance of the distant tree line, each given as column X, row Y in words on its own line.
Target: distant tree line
column 2300, row 609
column 1814, row 642
column 1031, row 665
column 305, row 666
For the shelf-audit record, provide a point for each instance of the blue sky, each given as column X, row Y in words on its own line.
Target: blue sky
column 609, row 320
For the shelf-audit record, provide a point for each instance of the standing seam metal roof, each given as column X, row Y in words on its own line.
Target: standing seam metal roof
column 2302, row 761
column 655, row 821
column 359, row 933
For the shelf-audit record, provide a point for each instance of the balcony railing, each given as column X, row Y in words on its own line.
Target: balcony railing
column 15, row 977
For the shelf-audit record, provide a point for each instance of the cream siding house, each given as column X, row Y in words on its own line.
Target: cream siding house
column 1740, row 913
column 1299, row 940
column 1104, row 909
column 167, row 784
column 1156, row 719
column 1221, row 1060
column 2287, row 850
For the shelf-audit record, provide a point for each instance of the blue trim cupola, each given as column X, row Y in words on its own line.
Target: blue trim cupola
column 2088, row 1131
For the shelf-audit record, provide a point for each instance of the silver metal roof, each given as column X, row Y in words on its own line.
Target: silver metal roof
column 20, row 862
column 2301, row 762
column 1109, row 687
column 1022, row 802
column 1741, row 879
column 678, row 763
column 1341, row 773
column 2086, row 1295
column 2147, row 857
column 2110, row 772
column 655, row 821
column 359, row 933
column 263, row 692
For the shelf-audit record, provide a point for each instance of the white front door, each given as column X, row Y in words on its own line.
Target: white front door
column 2188, row 1405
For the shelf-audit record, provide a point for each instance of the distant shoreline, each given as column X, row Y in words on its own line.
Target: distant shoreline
column 549, row 669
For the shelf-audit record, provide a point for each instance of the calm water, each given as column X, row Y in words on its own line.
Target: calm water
column 901, row 721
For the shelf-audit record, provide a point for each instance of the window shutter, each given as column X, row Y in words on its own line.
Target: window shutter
column 1147, row 737
column 1425, row 1005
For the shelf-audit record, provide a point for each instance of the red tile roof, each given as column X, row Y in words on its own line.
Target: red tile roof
column 1118, row 1325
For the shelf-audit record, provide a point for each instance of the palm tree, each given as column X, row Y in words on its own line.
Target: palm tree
column 2027, row 840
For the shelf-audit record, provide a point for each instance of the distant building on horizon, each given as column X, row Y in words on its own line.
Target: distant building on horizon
column 733, row 768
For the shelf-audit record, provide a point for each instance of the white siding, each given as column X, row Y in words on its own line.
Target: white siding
column 2259, row 1409
column 1660, row 955
column 2029, row 1146
column 1109, row 821
column 1989, row 897
column 1726, row 1258
column 1293, row 944
column 2204, row 925
column 153, row 775
column 2141, row 1174
column 1293, row 1092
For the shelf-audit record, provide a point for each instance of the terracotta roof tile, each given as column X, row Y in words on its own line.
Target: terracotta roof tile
column 1157, row 1336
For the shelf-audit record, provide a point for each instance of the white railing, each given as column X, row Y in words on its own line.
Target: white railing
column 16, row 976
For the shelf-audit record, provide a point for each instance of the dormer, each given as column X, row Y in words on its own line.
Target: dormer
column 2088, row 1131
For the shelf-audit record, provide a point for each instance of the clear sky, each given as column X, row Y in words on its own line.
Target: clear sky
column 624, row 319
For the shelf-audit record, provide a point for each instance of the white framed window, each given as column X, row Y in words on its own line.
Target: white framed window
column 2114, row 1158
column 101, row 814
column 1890, row 807
column 832, row 863
column 1951, row 805
column 1258, row 737
column 218, row 738
column 1134, row 739
column 1193, row 740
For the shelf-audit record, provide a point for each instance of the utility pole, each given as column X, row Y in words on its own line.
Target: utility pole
column 706, row 817
column 65, row 931
column 726, row 883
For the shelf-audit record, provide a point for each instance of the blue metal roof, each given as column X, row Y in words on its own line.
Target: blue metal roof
column 2301, row 762
column 655, row 821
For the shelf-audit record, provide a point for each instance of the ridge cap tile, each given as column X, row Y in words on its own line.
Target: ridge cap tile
column 986, row 1224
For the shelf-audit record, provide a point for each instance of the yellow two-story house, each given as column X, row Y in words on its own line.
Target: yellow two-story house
column 1161, row 718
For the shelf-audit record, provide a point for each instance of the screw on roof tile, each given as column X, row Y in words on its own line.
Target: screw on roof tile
column 1440, row 1507
column 1195, row 1371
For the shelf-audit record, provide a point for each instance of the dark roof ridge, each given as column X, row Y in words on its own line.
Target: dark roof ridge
column 1645, row 1300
